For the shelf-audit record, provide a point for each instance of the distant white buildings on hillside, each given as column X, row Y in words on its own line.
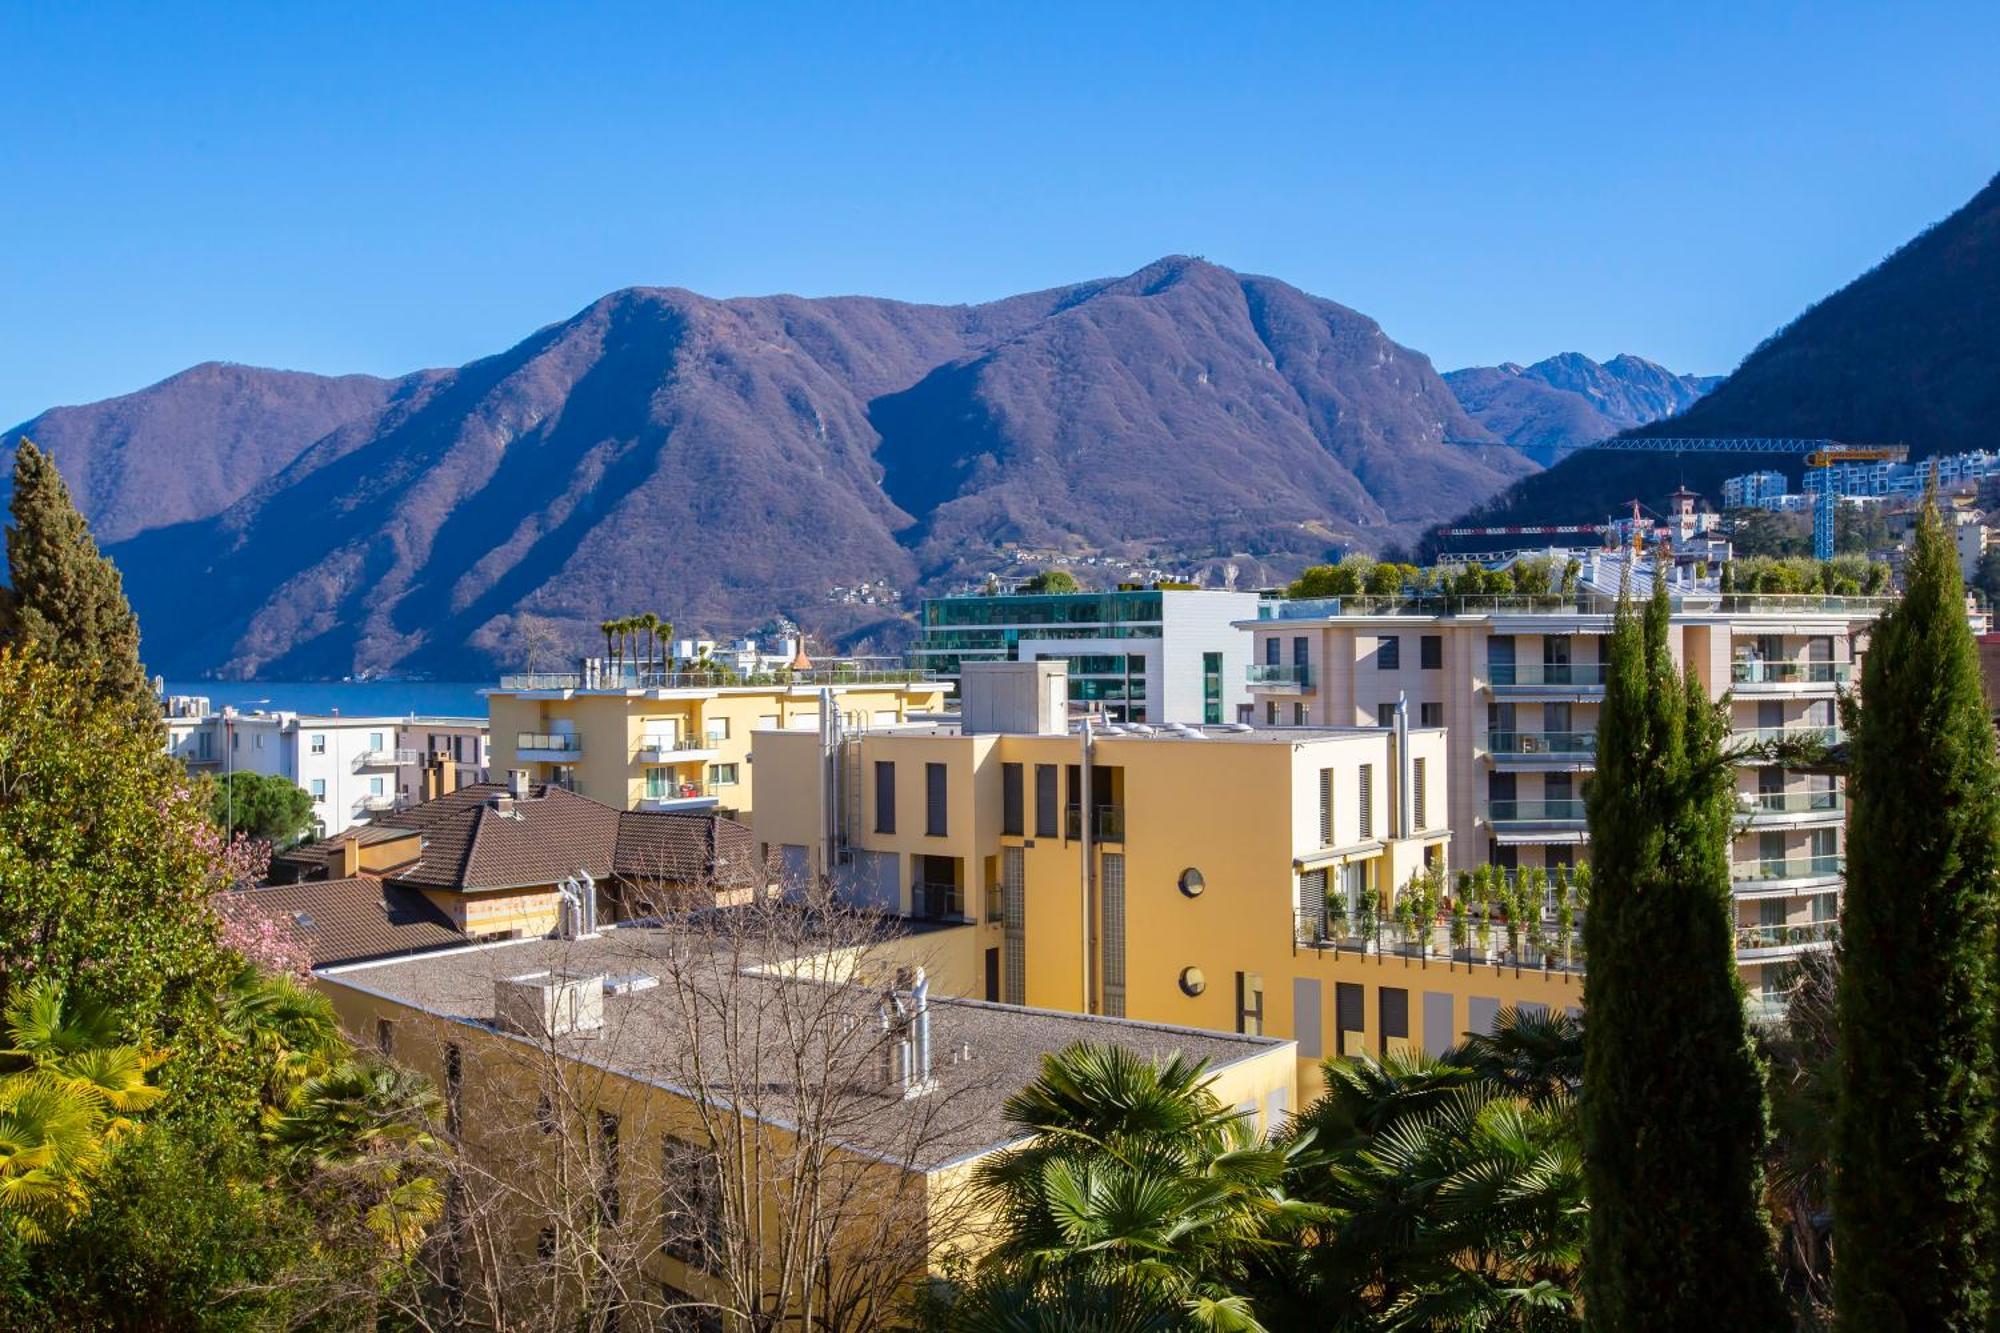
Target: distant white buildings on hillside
column 1859, row 481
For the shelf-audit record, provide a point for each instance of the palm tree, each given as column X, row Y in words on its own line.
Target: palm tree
column 363, row 1128
column 291, row 1029
column 609, row 627
column 68, row 1091
column 650, row 623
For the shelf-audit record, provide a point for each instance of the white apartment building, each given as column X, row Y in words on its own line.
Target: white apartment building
column 354, row 767
column 1135, row 655
column 1517, row 683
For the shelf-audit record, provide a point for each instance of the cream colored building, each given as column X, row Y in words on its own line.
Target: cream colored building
column 1517, row 683
column 1175, row 875
column 644, row 740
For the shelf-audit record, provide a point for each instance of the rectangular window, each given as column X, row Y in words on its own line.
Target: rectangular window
column 385, row 1035
column 1392, row 1005
column 1366, row 803
column 1419, row 800
column 375, row 740
column 1250, row 1003
column 1048, row 815
column 1298, row 715
column 1349, row 1012
column 1430, row 715
column 1326, row 807
column 722, row 775
column 318, row 789
column 993, row 975
column 691, row 1204
column 1270, row 712
column 1211, row 688
column 1013, row 817
column 1385, row 715
column 319, row 742
column 885, row 796
column 934, row 800
column 1430, row 652
column 259, row 740
column 1388, row 652
column 607, row 1168
column 717, row 728
column 659, row 784
column 1300, row 650
column 1273, row 651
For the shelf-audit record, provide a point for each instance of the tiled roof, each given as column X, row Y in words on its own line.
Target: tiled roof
column 538, row 839
column 686, row 848
column 350, row 920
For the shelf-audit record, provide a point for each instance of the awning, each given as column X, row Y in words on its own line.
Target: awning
column 1536, row 839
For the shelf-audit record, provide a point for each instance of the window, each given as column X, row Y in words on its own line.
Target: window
column 1013, row 819
column 1047, row 816
column 1301, row 653
column 1419, row 801
column 1388, row 652
column 1367, row 802
column 375, row 740
column 1211, row 688
column 993, row 975
column 385, row 1035
column 1430, row 652
column 1250, row 1003
column 375, row 787
column 691, row 1204
column 717, row 729
column 318, row 789
column 607, row 1171
column 659, row 784
column 885, row 796
column 767, row 721
column 1326, row 807
column 1430, row 715
column 1350, row 1002
column 1298, row 715
column 1385, row 715
column 318, row 742
column 722, row 775
column 1273, row 650
column 996, row 909
column 1270, row 712
column 235, row 740
column 257, row 741
column 1392, row 1004
column 934, row 800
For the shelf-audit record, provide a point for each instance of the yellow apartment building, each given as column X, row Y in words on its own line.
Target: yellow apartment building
column 1517, row 682
column 565, row 1064
column 1176, row 874
column 642, row 739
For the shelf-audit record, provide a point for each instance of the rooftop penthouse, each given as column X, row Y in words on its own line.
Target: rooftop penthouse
column 618, row 677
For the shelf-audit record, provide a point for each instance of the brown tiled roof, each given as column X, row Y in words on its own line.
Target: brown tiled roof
column 686, row 848
column 351, row 920
column 539, row 839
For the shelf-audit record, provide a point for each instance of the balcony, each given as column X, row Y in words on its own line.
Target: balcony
column 374, row 803
column 1798, row 734
column 1278, row 679
column 1762, row 943
column 1538, row 943
column 552, row 747
column 1569, row 811
column 1790, row 807
column 634, row 676
column 682, row 796
column 1763, row 878
column 1547, row 679
column 1754, row 677
column 1510, row 747
column 1107, row 823
column 936, row 902
column 675, row 750
column 387, row 758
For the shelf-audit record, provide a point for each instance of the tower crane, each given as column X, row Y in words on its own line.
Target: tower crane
column 1819, row 455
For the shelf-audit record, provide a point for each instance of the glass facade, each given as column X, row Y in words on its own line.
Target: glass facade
column 990, row 629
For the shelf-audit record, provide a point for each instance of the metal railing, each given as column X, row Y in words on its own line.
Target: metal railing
column 1586, row 675
column 1796, row 867
column 681, row 791
column 631, row 676
column 1805, row 935
column 1556, row 743
column 1534, row 942
column 1790, row 673
column 667, row 744
column 936, row 902
column 566, row 742
column 387, row 757
column 375, row 801
column 1107, row 823
column 1537, row 812
column 1578, row 603
column 1268, row 673
column 1795, row 802
column 1823, row 603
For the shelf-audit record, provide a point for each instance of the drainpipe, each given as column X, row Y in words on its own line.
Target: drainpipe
column 1406, row 778
column 829, row 747
column 1083, row 813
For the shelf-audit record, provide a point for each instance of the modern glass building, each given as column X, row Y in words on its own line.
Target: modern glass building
column 1146, row 655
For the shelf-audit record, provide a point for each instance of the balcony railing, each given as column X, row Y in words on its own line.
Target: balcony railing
column 681, row 791
column 387, row 758
column 1586, row 675
column 660, row 749
column 1535, row 942
column 1555, row 743
column 1795, row 802
column 1797, row 734
column 1295, row 676
column 937, row 902
column 1797, row 867
column 1810, row 934
column 1790, row 673
column 375, row 801
column 629, row 676
column 1536, row 812
column 1107, row 823
column 1564, row 604
column 565, row 742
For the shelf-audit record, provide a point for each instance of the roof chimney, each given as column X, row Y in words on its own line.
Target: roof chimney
column 517, row 783
column 350, row 857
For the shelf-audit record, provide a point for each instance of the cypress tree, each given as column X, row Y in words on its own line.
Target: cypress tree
column 68, row 602
column 1673, row 1109
column 1917, row 987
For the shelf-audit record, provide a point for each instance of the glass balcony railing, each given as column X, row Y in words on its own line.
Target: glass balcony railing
column 1794, row 867
column 1539, row 942
column 1806, row 934
column 1536, row 812
column 1107, row 823
column 937, row 902
column 682, row 791
column 1589, row 675
column 566, row 742
column 1790, row 673
column 665, row 745
column 1794, row 802
column 1798, row 732
column 1265, row 673
column 1555, row 743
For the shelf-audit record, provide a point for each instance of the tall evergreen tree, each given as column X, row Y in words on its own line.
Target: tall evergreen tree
column 1917, row 986
column 68, row 602
column 1673, row 1094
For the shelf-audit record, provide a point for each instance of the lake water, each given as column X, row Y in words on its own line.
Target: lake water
column 362, row 698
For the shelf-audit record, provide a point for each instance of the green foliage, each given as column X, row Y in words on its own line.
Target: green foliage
column 1917, row 934
column 1345, row 579
column 1051, row 581
column 261, row 805
column 1844, row 575
column 1673, row 1095
column 68, row 602
column 1762, row 533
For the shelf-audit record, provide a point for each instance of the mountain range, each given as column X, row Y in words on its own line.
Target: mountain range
column 1908, row 353
column 1554, row 407
column 724, row 460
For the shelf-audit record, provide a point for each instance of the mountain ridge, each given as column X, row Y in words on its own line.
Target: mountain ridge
column 1559, row 404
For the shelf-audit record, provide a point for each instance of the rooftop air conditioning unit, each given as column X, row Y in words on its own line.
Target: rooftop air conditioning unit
column 550, row 1004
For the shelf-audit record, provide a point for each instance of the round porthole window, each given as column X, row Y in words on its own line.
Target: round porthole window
column 1192, row 981
column 1192, row 883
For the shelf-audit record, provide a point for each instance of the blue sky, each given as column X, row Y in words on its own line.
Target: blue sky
column 361, row 188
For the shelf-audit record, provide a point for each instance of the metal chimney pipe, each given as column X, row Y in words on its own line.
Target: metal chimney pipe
column 588, row 903
column 921, row 1004
column 1405, row 769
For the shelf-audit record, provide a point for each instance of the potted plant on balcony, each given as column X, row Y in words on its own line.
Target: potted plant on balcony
column 1565, row 911
column 1406, row 918
column 1336, row 914
column 1482, row 905
column 1367, row 913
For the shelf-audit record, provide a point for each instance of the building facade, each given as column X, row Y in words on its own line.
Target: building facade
column 1517, row 684
column 1143, row 655
column 643, row 740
